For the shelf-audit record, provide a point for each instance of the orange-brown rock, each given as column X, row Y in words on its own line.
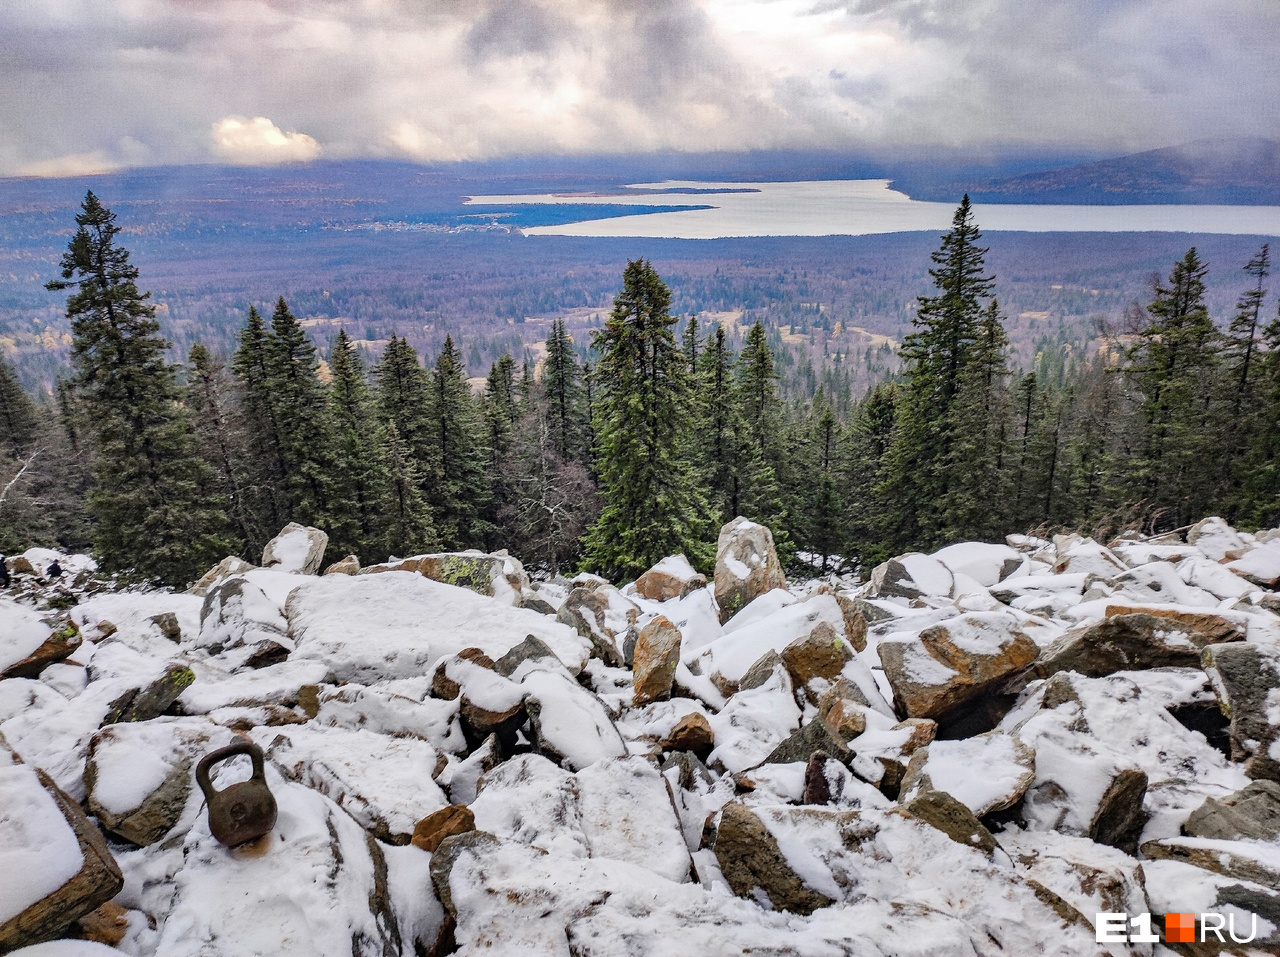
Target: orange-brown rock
column 673, row 577
column 446, row 822
column 820, row 654
column 692, row 733
column 443, row 686
column 656, row 656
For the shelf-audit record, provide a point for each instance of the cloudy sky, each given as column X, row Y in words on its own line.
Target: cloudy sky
column 87, row 85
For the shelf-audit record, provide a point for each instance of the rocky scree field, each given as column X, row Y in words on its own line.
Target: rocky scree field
column 972, row 753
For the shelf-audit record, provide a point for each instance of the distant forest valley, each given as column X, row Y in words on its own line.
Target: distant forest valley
column 388, row 249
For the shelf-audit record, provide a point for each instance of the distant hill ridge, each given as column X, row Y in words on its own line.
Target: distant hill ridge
column 1242, row 170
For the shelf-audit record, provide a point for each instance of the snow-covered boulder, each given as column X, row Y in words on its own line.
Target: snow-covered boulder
column 755, row 722
column 316, row 886
column 368, row 628
column 985, row 563
column 912, row 576
column 387, row 784
column 497, row 575
column 985, row 773
column 673, row 577
column 1246, row 678
column 747, row 565
column 569, row 724
column 1134, row 641
column 1260, row 565
column 56, row 865
column 954, row 661
column 140, row 777
column 227, row 568
column 298, row 549
column 1216, row 540
column 30, row 643
column 729, row 657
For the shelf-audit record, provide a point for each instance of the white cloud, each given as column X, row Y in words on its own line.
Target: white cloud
column 259, row 141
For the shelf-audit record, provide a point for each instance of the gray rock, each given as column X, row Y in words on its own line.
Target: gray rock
column 532, row 649
column 227, row 568
column 939, row 809
column 759, row 672
column 1246, row 679
column 152, row 701
column 808, row 740
column 1132, row 642
column 584, row 610
column 747, row 566
column 752, row 863
column 1252, row 813
column 297, row 548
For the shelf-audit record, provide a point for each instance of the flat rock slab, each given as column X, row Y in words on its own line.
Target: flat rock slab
column 1251, row 814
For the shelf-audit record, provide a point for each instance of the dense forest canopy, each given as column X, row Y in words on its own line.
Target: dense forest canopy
column 612, row 453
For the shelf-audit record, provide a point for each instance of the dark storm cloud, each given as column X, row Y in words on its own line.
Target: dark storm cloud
column 87, row 83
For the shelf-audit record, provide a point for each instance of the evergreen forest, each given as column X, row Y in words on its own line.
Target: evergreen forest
column 645, row 449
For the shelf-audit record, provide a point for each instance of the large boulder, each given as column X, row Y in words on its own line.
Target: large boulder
column 298, row 549
column 1259, row 565
column 496, row 575
column 57, row 866
column 1251, row 814
column 1134, row 641
column 227, row 568
column 369, row 628
column 657, row 653
column 671, row 578
column 954, row 661
column 387, row 784
column 29, row 643
column 912, row 576
column 140, row 777
column 985, row 773
column 317, row 886
column 1246, row 679
column 747, row 566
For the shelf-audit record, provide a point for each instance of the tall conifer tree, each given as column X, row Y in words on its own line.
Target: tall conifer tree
column 653, row 505
column 151, row 505
column 459, row 487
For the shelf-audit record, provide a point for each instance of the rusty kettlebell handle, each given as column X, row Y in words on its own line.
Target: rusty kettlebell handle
column 221, row 754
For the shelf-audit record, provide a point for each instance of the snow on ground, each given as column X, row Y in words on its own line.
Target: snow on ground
column 602, row 825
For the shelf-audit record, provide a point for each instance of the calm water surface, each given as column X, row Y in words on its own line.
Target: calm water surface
column 863, row 207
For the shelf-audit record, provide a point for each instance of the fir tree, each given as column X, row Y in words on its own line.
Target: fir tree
column 819, row 513
column 501, row 416
column 689, row 344
column 19, row 423
column 653, row 506
column 359, row 509
column 716, row 420
column 258, row 417
column 404, row 397
column 1248, row 414
column 151, row 505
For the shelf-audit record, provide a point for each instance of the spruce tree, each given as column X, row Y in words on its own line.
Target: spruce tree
column 916, row 483
column 758, row 445
column 653, row 505
column 19, row 422
column 818, row 518
column 459, row 487
column 1247, row 413
column 1173, row 364
column 301, row 413
column 258, row 417
column 359, row 477
column 152, row 505
column 403, row 392
column 716, row 420
column 562, row 383
column 501, row 416
column 221, row 442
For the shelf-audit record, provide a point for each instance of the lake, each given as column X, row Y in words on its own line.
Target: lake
column 860, row 208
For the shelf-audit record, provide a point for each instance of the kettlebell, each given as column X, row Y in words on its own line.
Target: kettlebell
column 244, row 811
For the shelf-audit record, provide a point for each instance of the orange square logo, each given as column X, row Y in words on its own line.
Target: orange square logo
column 1180, row 928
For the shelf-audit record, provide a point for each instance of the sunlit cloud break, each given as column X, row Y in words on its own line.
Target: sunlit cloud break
column 259, row 141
